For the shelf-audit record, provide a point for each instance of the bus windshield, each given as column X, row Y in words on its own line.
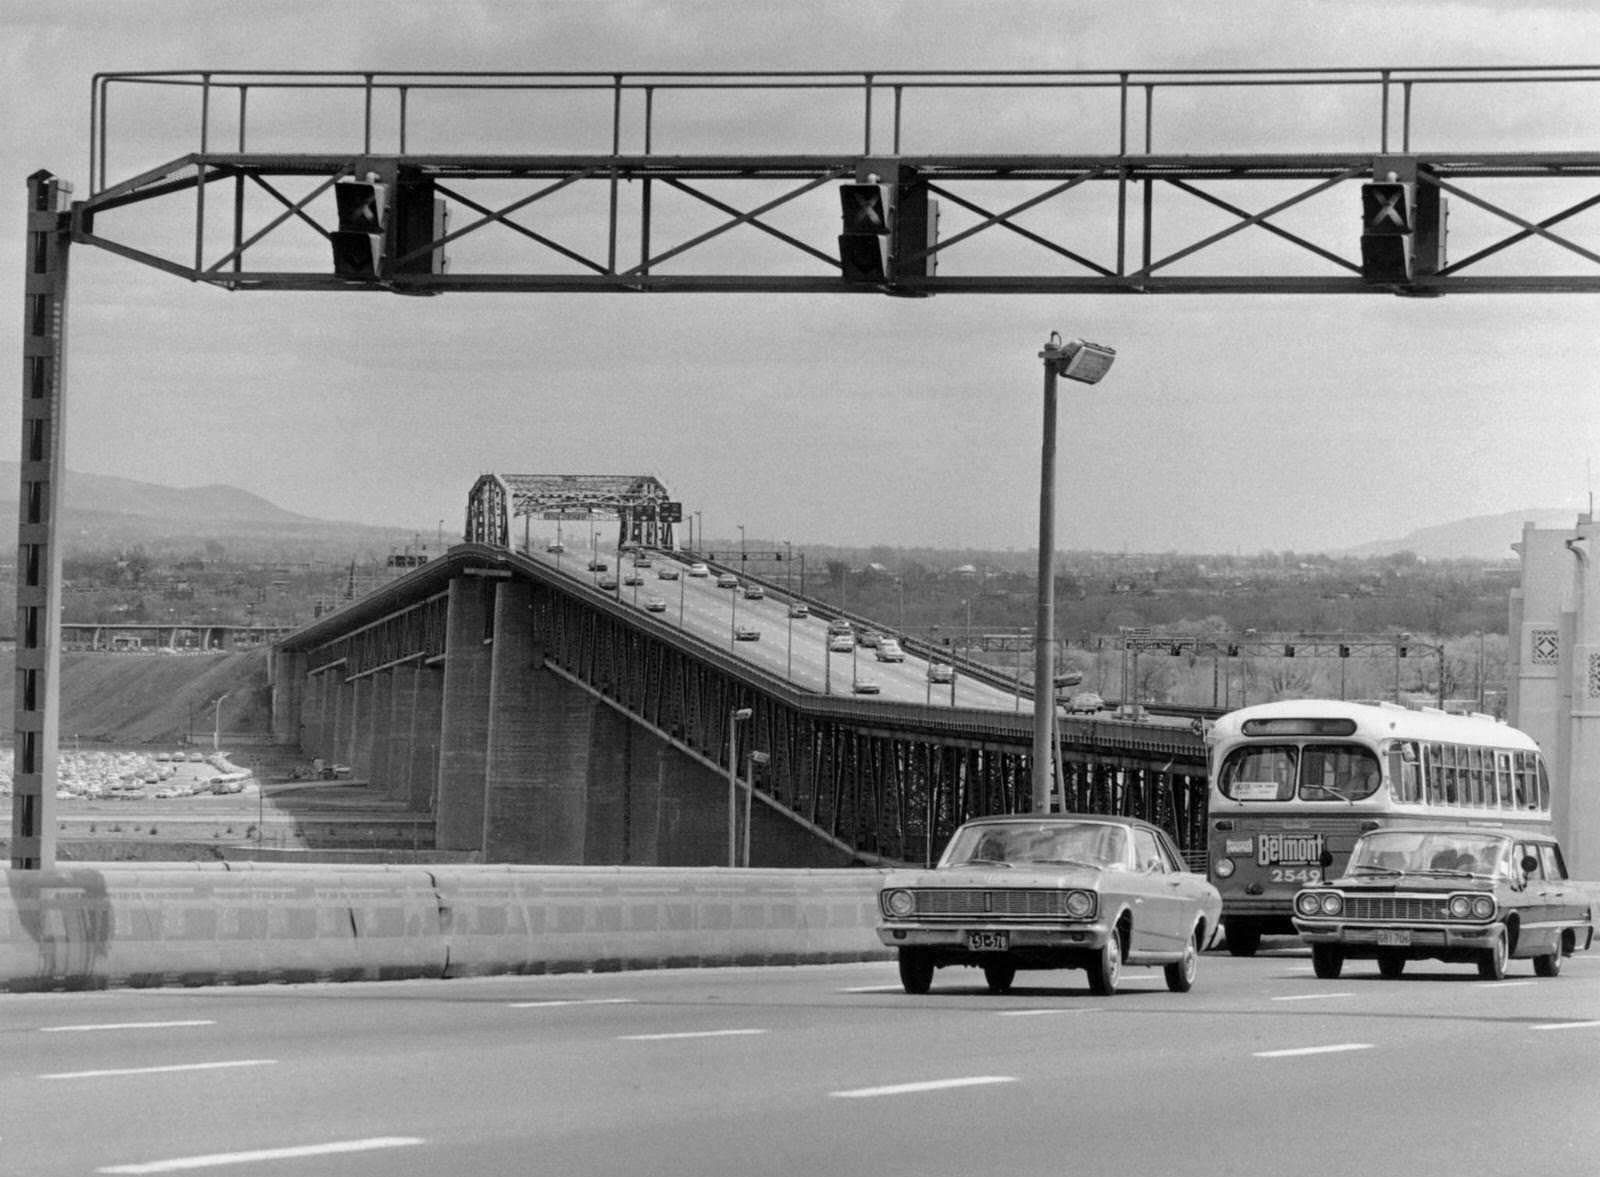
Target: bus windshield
column 1307, row 772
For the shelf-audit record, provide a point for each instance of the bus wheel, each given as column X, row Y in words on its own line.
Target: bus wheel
column 1106, row 970
column 916, row 970
column 1181, row 973
column 999, row 977
column 1242, row 940
column 1492, row 964
column 1327, row 960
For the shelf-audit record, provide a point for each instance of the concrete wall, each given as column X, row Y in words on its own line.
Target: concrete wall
column 98, row 926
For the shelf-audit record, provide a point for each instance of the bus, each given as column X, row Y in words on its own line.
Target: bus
column 1292, row 779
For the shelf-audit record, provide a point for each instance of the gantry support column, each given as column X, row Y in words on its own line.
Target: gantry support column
column 37, row 713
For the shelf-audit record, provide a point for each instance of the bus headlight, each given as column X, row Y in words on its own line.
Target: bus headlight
column 899, row 904
column 1223, row 868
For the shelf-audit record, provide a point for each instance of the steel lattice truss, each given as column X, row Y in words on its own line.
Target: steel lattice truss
column 639, row 501
column 1119, row 216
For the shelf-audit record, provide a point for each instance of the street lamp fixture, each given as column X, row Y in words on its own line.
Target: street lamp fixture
column 735, row 718
column 216, row 729
column 1086, row 363
column 757, row 759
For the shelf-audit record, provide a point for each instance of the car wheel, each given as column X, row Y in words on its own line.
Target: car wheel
column 1181, row 973
column 1391, row 964
column 1243, row 940
column 916, row 970
column 1327, row 960
column 1106, row 970
column 1549, row 966
column 999, row 977
column 1492, row 964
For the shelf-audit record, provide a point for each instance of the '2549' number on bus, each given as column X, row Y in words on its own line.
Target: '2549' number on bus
column 1296, row 874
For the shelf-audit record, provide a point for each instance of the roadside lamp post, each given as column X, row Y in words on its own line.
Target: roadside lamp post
column 827, row 663
column 742, row 573
column 216, row 730
column 735, row 718
column 900, row 584
column 756, row 758
column 697, row 534
column 788, row 568
column 1086, row 363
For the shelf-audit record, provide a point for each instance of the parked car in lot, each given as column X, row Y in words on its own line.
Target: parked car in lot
column 1058, row 892
column 655, row 605
column 1467, row 894
column 799, row 609
column 699, row 570
column 746, row 633
column 727, row 580
column 889, row 651
column 864, row 686
column 941, row 672
column 754, row 592
column 667, row 572
column 841, row 643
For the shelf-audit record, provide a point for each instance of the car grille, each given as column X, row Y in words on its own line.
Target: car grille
column 1012, row 902
column 1395, row 907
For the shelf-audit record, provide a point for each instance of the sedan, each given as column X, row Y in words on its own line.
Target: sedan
column 1058, row 892
column 798, row 609
column 754, row 592
column 889, row 651
column 633, row 578
column 746, row 633
column 699, row 570
column 941, row 672
column 667, row 572
column 840, row 643
column 1458, row 894
column 608, row 582
column 727, row 580
column 864, row 686
column 597, row 565
column 654, row 605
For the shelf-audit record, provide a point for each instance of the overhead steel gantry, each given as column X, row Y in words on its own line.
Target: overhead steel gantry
column 641, row 504
column 1027, row 182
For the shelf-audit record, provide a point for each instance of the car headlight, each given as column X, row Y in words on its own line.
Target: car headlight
column 1080, row 905
column 1332, row 903
column 1460, row 907
column 1308, row 903
column 1223, row 867
column 899, row 904
column 1483, row 907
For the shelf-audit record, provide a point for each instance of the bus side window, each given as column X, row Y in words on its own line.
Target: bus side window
column 1403, row 773
column 1435, row 769
column 1506, row 771
column 1522, row 799
column 1544, row 785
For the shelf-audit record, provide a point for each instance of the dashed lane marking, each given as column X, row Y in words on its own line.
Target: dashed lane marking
column 123, row 1026
column 918, row 1088
column 1311, row 996
column 687, row 1034
column 243, row 1062
column 572, row 1001
column 178, row 1164
column 1300, row 1050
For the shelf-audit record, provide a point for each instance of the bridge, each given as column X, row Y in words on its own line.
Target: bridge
column 552, row 712
column 150, row 636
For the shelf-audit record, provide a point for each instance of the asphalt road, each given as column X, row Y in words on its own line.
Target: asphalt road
column 1261, row 1069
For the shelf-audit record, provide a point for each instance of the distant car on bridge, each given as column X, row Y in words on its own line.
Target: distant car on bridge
column 597, row 565
column 641, row 560
column 1085, row 703
column 667, row 572
column 655, row 605
column 754, row 592
column 727, row 580
column 798, row 609
column 941, row 672
column 864, row 686
column 869, row 638
column 746, row 633
column 699, row 570
column 608, row 582
column 633, row 578
column 840, row 643
column 555, row 546
column 889, row 651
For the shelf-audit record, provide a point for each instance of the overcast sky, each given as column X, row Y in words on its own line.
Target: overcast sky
column 1235, row 423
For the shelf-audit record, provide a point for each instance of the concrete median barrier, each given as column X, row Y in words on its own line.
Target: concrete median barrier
column 96, row 926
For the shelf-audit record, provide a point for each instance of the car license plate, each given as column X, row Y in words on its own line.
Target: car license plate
column 988, row 941
column 1394, row 937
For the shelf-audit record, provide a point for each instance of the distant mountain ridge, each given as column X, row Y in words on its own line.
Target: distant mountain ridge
column 1482, row 537
column 125, row 496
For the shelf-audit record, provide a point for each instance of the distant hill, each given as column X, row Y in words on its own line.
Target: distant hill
column 103, row 512
column 1483, row 537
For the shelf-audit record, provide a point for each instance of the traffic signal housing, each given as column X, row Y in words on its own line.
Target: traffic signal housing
column 864, row 243
column 1402, row 225
column 358, row 245
column 890, row 230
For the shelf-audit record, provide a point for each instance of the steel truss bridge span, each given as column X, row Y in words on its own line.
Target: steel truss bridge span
column 875, row 781
column 639, row 502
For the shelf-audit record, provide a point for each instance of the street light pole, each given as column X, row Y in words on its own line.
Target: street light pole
column 216, row 730
column 1085, row 362
column 742, row 572
column 735, row 718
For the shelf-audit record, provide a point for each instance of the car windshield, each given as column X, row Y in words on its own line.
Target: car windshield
column 1440, row 852
column 1089, row 843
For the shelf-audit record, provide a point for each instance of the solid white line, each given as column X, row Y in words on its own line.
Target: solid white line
column 245, row 1062
column 870, row 989
column 264, row 1154
column 1311, row 996
column 1504, row 984
column 122, row 1026
column 915, row 1088
column 572, row 1001
column 685, row 1034
column 1565, row 1026
column 1313, row 1050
